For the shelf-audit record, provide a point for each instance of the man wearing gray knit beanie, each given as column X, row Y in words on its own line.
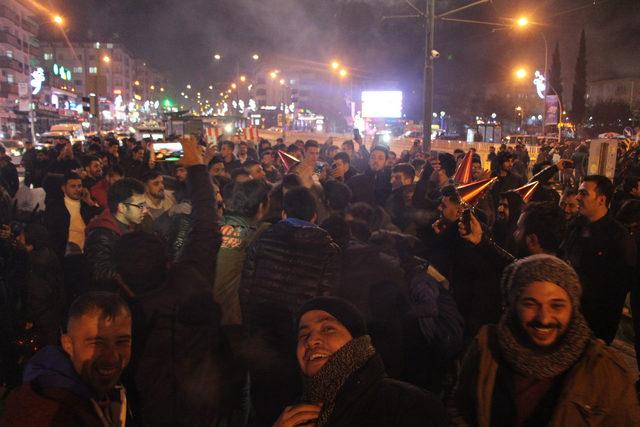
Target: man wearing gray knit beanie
column 541, row 365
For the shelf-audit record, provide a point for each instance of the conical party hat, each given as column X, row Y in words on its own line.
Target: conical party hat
column 287, row 160
column 473, row 192
column 463, row 173
column 527, row 190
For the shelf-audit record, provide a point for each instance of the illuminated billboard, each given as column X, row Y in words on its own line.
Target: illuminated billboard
column 381, row 104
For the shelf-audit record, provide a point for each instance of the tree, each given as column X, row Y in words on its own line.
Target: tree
column 578, row 99
column 555, row 73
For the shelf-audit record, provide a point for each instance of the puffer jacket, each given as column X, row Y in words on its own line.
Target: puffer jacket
column 289, row 263
column 597, row 390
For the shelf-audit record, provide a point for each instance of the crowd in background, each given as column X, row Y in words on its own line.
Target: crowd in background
column 278, row 284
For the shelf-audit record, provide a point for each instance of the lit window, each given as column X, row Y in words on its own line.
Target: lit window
column 77, row 69
column 93, row 70
column 48, row 56
column 9, row 54
column 10, row 78
column 109, row 45
column 97, row 45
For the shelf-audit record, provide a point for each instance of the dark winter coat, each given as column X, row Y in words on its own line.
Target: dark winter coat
column 369, row 398
column 102, row 234
column 371, row 187
column 505, row 183
column 57, row 220
column 52, row 395
column 290, row 263
column 179, row 362
column 603, row 254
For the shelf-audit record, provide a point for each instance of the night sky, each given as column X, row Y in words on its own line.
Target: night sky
column 180, row 37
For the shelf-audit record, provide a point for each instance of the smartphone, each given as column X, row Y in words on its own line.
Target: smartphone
column 466, row 220
column 167, row 151
column 318, row 168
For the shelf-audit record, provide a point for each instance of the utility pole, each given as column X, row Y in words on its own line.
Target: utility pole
column 429, row 16
column 427, row 98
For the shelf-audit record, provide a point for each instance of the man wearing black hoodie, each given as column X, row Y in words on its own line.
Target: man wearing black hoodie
column 374, row 185
column 77, row 384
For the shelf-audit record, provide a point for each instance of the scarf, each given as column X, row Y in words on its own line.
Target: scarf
column 324, row 386
column 542, row 364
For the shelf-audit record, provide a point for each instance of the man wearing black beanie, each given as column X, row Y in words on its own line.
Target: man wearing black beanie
column 344, row 379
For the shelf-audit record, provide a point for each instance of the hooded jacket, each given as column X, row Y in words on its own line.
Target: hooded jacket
column 102, row 234
column 53, row 395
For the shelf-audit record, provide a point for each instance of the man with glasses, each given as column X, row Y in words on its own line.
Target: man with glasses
column 126, row 208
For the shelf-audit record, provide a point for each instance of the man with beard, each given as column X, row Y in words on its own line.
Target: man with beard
column 400, row 203
column 374, row 185
column 604, row 255
column 344, row 377
column 507, row 215
column 76, row 384
column 229, row 159
column 569, row 204
column 507, row 179
column 158, row 200
column 135, row 166
column 541, row 365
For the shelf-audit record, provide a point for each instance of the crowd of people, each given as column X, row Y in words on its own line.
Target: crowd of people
column 274, row 284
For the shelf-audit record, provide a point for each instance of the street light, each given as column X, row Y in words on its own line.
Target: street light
column 188, row 86
column 343, row 73
column 273, row 74
column 58, row 20
column 210, row 87
column 217, row 57
column 282, row 82
column 233, row 85
column 243, row 78
column 523, row 21
column 521, row 73
column 106, row 59
column 255, row 56
column 335, row 65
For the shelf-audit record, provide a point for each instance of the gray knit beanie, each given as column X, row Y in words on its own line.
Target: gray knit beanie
column 540, row 268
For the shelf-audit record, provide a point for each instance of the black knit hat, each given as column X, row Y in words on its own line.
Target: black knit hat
column 344, row 312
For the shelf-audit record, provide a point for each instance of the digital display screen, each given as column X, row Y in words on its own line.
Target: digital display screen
column 167, row 151
column 382, row 104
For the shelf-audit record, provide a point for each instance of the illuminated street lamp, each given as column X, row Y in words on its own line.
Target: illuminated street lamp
column 188, row 86
column 152, row 87
column 343, row 73
column 335, row 65
column 217, row 57
column 523, row 21
column 161, row 89
column 210, row 87
column 58, row 20
column 521, row 73
column 273, row 74
column 243, row 78
column 255, row 57
column 106, row 59
column 137, row 83
column 282, row 81
column 233, row 85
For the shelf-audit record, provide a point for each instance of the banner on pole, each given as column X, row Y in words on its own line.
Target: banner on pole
column 551, row 109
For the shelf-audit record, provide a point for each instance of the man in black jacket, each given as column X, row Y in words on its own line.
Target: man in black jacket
column 507, row 179
column 344, row 378
column 126, row 209
column 66, row 217
column 604, row 255
column 291, row 262
column 179, row 371
column 374, row 185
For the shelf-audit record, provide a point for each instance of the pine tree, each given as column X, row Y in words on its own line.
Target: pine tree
column 555, row 73
column 578, row 99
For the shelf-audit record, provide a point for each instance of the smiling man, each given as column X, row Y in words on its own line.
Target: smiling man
column 76, row 384
column 344, row 378
column 541, row 365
